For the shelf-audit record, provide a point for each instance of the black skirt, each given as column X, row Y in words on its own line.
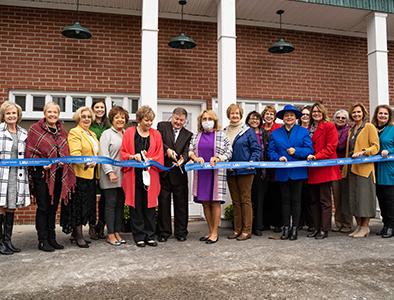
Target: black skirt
column 81, row 207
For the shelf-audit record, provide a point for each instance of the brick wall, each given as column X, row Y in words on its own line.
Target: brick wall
column 34, row 55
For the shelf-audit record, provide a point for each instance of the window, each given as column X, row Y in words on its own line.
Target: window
column 32, row 102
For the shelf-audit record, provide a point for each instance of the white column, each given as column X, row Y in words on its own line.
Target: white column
column 149, row 46
column 227, row 78
column 377, row 60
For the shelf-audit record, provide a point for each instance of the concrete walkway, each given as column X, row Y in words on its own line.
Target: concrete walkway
column 339, row 267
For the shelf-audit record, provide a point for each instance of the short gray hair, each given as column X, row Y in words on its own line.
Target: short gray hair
column 342, row 111
column 51, row 103
column 179, row 111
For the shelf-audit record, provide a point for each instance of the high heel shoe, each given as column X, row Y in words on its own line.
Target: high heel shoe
column 72, row 240
column 81, row 245
column 363, row 232
column 355, row 231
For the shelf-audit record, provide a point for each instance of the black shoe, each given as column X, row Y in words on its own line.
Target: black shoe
column 139, row 244
column 9, row 224
column 81, row 245
column 299, row 228
column 4, row 250
column 310, row 229
column 389, row 233
column 45, row 246
column 383, row 231
column 181, row 238
column 321, row 235
column 277, row 229
column 203, row 239
column 151, row 243
column 293, row 233
column 162, row 238
column 209, row 241
column 285, row 234
column 257, row 233
column 313, row 234
column 55, row 244
column 72, row 239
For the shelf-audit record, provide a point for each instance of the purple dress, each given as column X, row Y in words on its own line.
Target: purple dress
column 205, row 177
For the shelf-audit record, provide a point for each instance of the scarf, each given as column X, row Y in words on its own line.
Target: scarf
column 43, row 143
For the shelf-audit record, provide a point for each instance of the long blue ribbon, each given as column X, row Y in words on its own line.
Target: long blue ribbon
column 28, row 162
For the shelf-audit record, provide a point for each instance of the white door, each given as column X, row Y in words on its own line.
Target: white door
column 164, row 113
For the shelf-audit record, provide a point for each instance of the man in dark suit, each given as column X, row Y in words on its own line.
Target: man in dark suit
column 176, row 141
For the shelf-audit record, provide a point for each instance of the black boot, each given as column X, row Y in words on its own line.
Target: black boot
column 52, row 240
column 389, row 233
column 9, row 224
column 3, row 249
column 294, row 233
column 285, row 234
column 383, row 231
column 45, row 246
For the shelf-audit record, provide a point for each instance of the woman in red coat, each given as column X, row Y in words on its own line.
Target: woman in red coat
column 142, row 142
column 325, row 141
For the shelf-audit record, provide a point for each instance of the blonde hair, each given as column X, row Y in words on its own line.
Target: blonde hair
column 144, row 111
column 6, row 106
column 234, row 107
column 322, row 109
column 210, row 113
column 78, row 113
column 51, row 103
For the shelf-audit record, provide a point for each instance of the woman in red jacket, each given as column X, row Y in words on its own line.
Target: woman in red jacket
column 325, row 141
column 142, row 142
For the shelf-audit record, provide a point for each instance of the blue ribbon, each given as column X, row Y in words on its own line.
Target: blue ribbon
column 29, row 162
column 291, row 164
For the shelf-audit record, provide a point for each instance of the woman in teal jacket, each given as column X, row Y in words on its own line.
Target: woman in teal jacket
column 245, row 148
column 383, row 120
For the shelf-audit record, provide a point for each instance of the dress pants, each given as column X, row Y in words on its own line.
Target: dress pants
column 114, row 206
column 259, row 189
column 340, row 218
column 386, row 202
column 291, row 206
column 273, row 206
column 306, row 211
column 240, row 189
column 142, row 218
column 181, row 208
column 321, row 205
column 46, row 211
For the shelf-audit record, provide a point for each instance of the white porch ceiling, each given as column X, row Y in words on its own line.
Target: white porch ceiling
column 298, row 15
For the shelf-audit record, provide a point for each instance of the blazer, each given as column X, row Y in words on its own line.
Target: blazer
column 367, row 139
column 278, row 145
column 385, row 169
column 181, row 147
column 110, row 143
column 325, row 142
column 80, row 144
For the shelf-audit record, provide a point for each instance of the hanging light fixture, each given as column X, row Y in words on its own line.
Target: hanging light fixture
column 76, row 31
column 281, row 46
column 182, row 42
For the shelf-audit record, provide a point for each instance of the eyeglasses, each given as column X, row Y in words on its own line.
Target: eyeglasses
column 86, row 116
column 341, row 118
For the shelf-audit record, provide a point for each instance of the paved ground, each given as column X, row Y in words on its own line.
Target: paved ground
column 335, row 268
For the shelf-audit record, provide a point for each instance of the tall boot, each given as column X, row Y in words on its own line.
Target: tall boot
column 3, row 249
column 92, row 232
column 52, row 233
column 9, row 224
column 100, row 229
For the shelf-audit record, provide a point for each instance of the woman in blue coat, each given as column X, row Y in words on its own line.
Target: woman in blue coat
column 245, row 148
column 290, row 143
column 383, row 120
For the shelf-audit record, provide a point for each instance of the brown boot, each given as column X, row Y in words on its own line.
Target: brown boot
column 92, row 232
column 100, row 229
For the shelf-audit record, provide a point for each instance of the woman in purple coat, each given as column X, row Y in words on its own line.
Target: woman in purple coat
column 343, row 222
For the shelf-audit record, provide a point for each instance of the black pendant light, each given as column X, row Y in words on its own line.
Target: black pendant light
column 76, row 31
column 281, row 46
column 182, row 42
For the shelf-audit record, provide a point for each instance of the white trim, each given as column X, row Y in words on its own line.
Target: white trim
column 29, row 114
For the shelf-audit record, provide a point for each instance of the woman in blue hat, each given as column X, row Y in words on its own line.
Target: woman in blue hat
column 290, row 143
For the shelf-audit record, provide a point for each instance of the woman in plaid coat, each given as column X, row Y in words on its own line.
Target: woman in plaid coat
column 14, row 184
column 209, row 186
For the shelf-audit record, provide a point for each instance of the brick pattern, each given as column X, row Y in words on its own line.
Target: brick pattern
column 34, row 55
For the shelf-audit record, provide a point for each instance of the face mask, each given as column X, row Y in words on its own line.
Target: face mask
column 146, row 177
column 207, row 125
